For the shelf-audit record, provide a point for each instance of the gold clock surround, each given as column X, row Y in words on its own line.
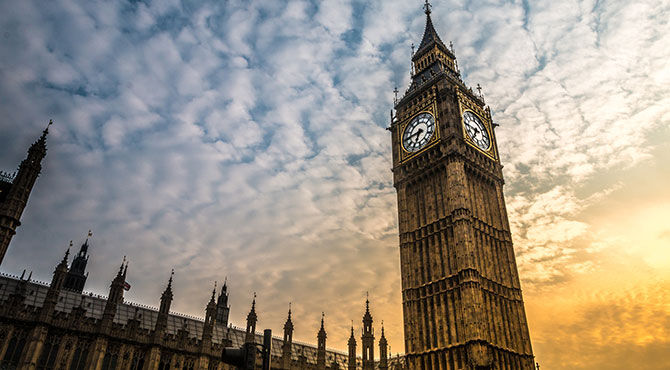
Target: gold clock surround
column 466, row 105
column 430, row 108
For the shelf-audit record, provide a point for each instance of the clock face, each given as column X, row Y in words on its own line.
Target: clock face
column 418, row 132
column 476, row 130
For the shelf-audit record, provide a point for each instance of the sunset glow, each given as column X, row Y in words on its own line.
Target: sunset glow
column 246, row 139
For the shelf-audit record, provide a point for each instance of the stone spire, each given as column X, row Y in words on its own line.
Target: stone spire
column 368, row 339
column 288, row 341
column 76, row 277
column 210, row 319
column 57, row 282
column 14, row 195
column 222, row 307
column 115, row 295
column 321, row 345
column 352, row 349
column 164, row 310
column 167, row 296
column 252, row 318
column 430, row 36
column 383, row 351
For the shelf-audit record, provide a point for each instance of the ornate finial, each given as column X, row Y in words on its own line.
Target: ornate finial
column 395, row 93
column 427, row 7
column 90, row 233
column 46, row 130
column 70, row 244
column 537, row 366
column 412, row 49
column 451, row 46
column 170, row 280
column 479, row 88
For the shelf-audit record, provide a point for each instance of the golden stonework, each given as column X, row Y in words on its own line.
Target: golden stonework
column 430, row 108
column 484, row 115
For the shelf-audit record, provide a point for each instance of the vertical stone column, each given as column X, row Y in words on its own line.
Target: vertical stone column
column 33, row 347
column 97, row 354
column 65, row 352
column 468, row 277
column 6, row 333
column 202, row 363
column 152, row 359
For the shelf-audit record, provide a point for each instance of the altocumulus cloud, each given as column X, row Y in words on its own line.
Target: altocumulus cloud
column 246, row 139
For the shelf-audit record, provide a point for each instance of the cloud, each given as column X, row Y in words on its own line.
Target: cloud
column 246, row 138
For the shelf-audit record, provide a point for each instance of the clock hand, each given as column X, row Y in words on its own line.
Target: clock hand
column 415, row 134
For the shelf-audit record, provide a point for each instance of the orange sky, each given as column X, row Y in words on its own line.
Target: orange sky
column 246, row 139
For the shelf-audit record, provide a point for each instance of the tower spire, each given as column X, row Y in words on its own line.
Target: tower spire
column 16, row 190
column 222, row 308
column 430, row 36
column 368, row 338
column 321, row 345
column 252, row 318
column 67, row 255
column 76, row 276
column 288, row 340
column 351, row 343
column 383, row 351
column 427, row 8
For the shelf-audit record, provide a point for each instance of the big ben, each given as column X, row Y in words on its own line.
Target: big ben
column 462, row 301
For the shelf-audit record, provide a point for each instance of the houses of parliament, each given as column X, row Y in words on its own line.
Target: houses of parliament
column 461, row 296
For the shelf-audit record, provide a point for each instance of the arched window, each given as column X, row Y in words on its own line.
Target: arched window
column 138, row 360
column 80, row 356
column 111, row 358
column 14, row 350
column 47, row 357
column 164, row 363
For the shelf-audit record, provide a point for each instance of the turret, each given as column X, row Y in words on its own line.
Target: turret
column 76, row 277
column 57, row 282
column 17, row 297
column 222, row 307
column 352, row 349
column 383, row 351
column 321, row 346
column 164, row 310
column 210, row 319
column 368, row 339
column 14, row 192
column 251, row 323
column 288, row 341
column 115, row 295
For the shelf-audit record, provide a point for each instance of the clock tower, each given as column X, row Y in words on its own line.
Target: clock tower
column 462, row 302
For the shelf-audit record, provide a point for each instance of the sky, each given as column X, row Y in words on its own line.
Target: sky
column 246, row 140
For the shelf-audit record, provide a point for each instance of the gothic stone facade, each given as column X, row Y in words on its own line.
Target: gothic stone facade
column 58, row 326
column 462, row 302
column 44, row 326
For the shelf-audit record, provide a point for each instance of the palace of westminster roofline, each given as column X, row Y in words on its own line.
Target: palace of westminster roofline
column 81, row 315
column 59, row 326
